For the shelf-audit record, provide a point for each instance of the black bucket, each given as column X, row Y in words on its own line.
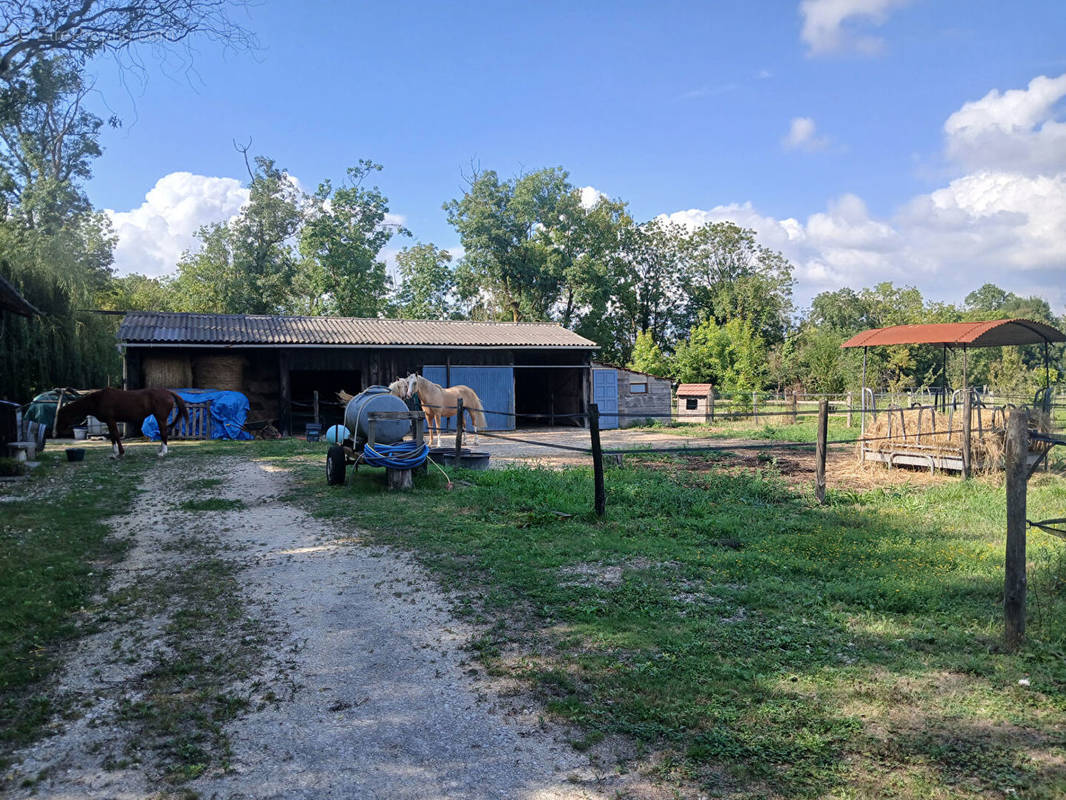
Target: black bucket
column 467, row 459
column 438, row 454
column 75, row 454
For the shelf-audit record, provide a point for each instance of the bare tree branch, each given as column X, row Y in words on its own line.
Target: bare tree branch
column 85, row 28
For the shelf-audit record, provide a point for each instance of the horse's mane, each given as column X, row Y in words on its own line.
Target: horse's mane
column 87, row 401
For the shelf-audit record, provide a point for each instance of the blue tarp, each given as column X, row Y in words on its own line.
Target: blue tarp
column 229, row 410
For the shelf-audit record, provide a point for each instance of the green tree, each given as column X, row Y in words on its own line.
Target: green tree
column 54, row 247
column 247, row 266
column 729, row 275
column 732, row 356
column 843, row 310
column 650, row 293
column 647, row 357
column 341, row 242
column 138, row 293
column 427, row 283
column 510, row 267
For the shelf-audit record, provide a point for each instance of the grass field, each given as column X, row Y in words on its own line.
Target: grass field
column 766, row 647
column 778, row 428
column 55, row 551
column 750, row 642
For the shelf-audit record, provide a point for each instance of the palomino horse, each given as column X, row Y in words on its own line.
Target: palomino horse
column 132, row 407
column 440, row 403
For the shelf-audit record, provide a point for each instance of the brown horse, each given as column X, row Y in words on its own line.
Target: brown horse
column 132, row 407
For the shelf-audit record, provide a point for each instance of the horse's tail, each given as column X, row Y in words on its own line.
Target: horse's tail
column 183, row 410
column 477, row 414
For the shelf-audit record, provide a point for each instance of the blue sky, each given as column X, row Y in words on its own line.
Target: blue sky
column 682, row 109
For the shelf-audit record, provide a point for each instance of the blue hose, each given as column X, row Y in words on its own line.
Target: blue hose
column 405, row 455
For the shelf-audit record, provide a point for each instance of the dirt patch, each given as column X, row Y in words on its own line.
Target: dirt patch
column 796, row 465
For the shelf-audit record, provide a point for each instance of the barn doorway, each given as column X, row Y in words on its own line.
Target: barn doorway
column 548, row 396
column 327, row 382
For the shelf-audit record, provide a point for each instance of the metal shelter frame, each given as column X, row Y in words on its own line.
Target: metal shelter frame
column 993, row 333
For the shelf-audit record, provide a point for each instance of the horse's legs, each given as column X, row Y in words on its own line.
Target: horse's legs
column 474, row 426
column 117, row 450
column 433, row 423
column 161, row 420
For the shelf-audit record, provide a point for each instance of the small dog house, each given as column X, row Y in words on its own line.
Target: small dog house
column 695, row 402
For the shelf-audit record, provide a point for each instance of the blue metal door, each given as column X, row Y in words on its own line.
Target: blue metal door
column 605, row 395
column 494, row 386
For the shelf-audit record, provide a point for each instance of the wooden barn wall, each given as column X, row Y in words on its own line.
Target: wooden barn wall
column 657, row 401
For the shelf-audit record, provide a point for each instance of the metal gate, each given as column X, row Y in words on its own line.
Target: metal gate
column 494, row 387
column 605, row 395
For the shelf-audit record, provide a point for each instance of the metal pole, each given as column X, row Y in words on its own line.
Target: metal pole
column 944, row 379
column 1047, row 373
column 967, row 410
column 862, row 401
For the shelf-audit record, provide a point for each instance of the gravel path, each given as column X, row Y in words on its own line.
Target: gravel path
column 384, row 702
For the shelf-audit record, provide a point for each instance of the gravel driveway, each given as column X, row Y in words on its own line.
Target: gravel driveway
column 383, row 700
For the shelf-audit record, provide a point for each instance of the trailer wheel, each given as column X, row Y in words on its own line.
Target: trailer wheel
column 335, row 465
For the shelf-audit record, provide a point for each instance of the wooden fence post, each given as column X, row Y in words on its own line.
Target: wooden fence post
column 793, row 404
column 851, row 406
column 458, row 430
column 710, row 397
column 600, row 502
column 1014, row 578
column 315, row 403
column 967, row 453
column 819, row 451
column 754, row 407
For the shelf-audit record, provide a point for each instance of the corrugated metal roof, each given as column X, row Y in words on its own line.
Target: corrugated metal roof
column 12, row 300
column 994, row 333
column 156, row 327
column 694, row 389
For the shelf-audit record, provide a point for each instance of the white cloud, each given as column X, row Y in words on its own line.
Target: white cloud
column 1001, row 220
column 831, row 25
column 1014, row 130
column 590, row 196
column 803, row 135
column 152, row 237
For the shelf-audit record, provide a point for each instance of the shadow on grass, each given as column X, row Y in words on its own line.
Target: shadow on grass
column 770, row 664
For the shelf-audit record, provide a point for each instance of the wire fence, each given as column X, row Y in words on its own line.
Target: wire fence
column 916, row 439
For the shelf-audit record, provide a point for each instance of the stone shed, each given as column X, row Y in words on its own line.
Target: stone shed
column 625, row 395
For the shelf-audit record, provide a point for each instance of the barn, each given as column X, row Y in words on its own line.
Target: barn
column 530, row 373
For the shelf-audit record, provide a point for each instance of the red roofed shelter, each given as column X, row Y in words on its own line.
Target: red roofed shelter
column 992, row 333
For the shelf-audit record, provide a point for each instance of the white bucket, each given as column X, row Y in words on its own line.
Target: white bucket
column 80, row 433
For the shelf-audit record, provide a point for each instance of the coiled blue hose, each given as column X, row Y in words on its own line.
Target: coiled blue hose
column 405, row 455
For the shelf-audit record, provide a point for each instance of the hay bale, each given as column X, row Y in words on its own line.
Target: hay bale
column 167, row 372
column 929, row 431
column 219, row 372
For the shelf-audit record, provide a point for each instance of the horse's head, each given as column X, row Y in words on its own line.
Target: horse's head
column 71, row 413
column 398, row 387
column 412, row 383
